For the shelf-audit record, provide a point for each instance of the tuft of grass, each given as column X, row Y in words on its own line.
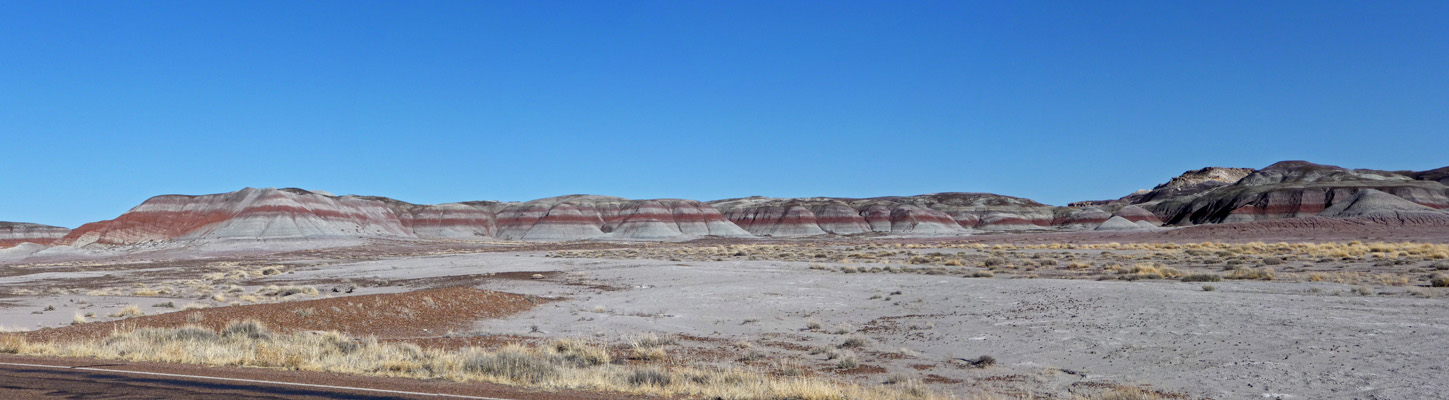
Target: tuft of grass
column 847, row 360
column 582, row 353
column 853, row 342
column 654, row 340
column 285, row 291
column 981, row 362
column 647, row 354
column 545, row 367
column 1202, row 278
column 515, row 363
column 1439, row 280
column 248, row 329
column 1128, row 393
column 128, row 312
column 1262, row 274
column 649, row 377
column 1209, row 288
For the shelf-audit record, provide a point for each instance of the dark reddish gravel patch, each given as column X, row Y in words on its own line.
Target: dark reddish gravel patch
column 420, row 314
column 862, row 369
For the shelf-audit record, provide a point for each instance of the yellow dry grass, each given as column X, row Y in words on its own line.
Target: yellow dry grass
column 572, row 364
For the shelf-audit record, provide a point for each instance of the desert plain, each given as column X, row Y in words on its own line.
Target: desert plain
column 1295, row 281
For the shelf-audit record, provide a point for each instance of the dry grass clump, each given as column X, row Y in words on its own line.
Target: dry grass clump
column 566, row 364
column 128, row 312
column 1262, row 274
column 1128, row 393
column 582, row 353
column 516, row 363
column 650, row 347
column 853, row 342
column 1150, row 271
column 845, row 359
column 1439, row 280
column 981, row 362
column 284, row 291
column 1202, row 278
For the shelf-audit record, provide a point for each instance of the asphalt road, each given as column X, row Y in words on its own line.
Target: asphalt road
column 25, row 378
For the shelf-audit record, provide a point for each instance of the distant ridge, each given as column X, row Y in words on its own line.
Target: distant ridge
column 1288, row 189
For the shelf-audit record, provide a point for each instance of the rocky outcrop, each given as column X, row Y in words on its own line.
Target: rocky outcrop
column 1081, row 218
column 1187, row 184
column 1303, row 172
column 15, row 233
column 1440, row 175
column 1295, row 189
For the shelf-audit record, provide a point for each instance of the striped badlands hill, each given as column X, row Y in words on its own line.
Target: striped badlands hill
column 296, row 213
column 585, row 216
column 1292, row 189
column 821, row 215
column 940, row 213
column 14, row 233
column 247, row 213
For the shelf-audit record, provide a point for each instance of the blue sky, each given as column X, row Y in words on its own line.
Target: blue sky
column 104, row 104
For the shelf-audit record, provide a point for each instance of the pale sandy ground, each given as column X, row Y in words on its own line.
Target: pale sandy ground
column 1244, row 340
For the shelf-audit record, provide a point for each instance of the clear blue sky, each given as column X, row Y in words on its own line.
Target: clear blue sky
column 104, row 104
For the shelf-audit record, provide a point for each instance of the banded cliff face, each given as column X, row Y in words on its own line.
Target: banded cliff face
column 294, row 213
column 940, row 213
column 14, row 233
column 1293, row 189
column 247, row 213
column 586, row 217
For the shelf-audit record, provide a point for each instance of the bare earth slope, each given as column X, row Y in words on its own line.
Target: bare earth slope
column 14, row 233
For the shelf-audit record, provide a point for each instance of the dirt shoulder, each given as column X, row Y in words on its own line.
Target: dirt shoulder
column 191, row 381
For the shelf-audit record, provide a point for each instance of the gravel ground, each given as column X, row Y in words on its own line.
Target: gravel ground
column 1050, row 337
column 1245, row 339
